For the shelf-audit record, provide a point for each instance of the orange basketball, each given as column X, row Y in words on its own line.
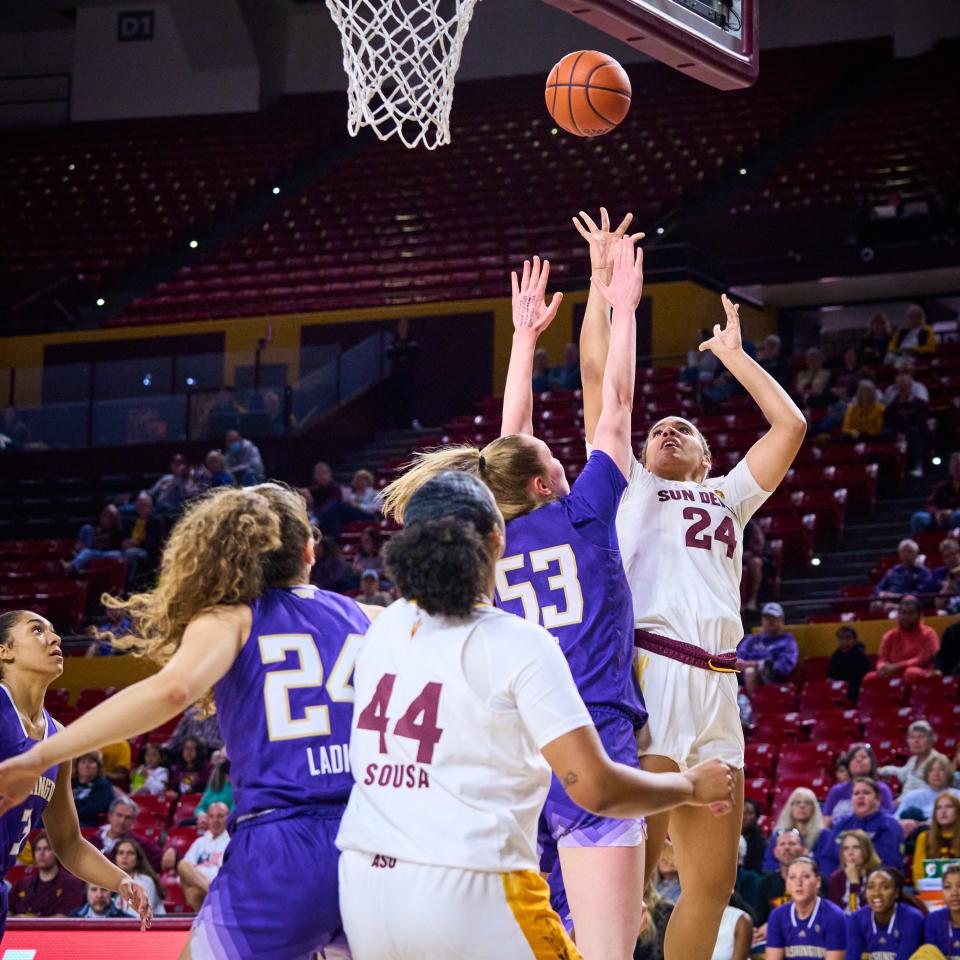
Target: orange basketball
column 588, row 93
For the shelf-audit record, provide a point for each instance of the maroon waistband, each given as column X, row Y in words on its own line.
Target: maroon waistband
column 687, row 653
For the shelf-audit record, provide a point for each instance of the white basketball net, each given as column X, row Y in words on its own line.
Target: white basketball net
column 401, row 58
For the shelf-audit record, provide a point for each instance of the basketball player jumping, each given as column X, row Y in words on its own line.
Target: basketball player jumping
column 681, row 536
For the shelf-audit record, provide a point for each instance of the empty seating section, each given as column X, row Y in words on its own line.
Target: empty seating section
column 903, row 142
column 395, row 226
column 95, row 199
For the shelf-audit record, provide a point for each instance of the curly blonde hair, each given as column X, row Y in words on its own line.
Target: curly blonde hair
column 228, row 548
column 506, row 465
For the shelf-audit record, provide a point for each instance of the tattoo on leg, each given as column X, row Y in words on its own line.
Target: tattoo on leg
column 570, row 779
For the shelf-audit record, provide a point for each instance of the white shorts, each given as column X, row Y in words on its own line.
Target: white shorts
column 693, row 713
column 395, row 910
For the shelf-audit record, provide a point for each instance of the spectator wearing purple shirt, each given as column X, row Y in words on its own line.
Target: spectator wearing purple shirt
column 908, row 576
column 885, row 831
column 769, row 656
column 886, row 927
column 808, row 926
column 861, row 761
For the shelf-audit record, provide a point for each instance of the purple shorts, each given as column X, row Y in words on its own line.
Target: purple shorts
column 276, row 896
column 564, row 824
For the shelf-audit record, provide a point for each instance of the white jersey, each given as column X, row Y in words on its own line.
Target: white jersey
column 448, row 722
column 682, row 547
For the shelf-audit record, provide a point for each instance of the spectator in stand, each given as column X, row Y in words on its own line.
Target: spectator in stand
column 362, row 493
column 324, row 490
column 735, row 937
column 754, row 546
column 874, row 346
column 541, row 371
column 750, row 831
column 172, row 490
column 834, row 415
column 918, row 804
column 329, row 572
column 14, row 430
column 949, row 550
column 943, row 506
column 908, row 578
column 116, row 764
column 802, row 813
column 916, row 337
column 404, row 367
column 812, row 384
column 273, row 408
column 908, row 650
column 941, row 928
column 808, row 926
column 118, row 625
column 887, row 926
column 216, row 473
column 863, row 419
column 772, row 892
column 219, row 788
column 49, row 891
column 150, row 778
column 204, row 729
column 99, row 905
column 857, row 859
column 920, row 742
column 202, row 862
column 119, row 826
column 566, row 375
column 370, row 555
column 769, row 656
column 92, row 791
column 860, row 761
column 884, row 831
column 190, row 770
column 666, row 878
column 129, row 857
column 942, row 840
column 849, row 662
column 102, row 540
column 905, row 368
column 948, row 657
column 370, row 592
column 772, row 360
column 650, row 943
column 906, row 415
column 244, row 460
column 849, row 374
column 143, row 540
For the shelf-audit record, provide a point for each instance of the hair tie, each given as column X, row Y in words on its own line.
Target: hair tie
column 482, row 463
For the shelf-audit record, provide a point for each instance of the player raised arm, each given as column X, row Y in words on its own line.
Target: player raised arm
column 595, row 333
column 531, row 316
column 612, row 434
column 593, row 781
column 770, row 457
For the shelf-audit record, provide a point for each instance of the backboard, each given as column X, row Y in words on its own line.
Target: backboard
column 714, row 41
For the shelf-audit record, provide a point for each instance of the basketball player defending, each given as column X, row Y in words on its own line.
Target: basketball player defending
column 681, row 536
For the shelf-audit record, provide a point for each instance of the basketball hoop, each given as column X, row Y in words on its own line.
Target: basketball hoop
column 401, row 58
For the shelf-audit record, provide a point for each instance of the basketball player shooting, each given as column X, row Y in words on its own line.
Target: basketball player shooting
column 681, row 537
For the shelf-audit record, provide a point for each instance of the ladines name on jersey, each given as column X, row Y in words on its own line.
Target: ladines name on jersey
column 323, row 761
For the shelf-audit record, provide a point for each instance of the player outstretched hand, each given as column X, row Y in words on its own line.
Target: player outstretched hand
column 531, row 313
column 133, row 895
column 626, row 286
column 602, row 240
column 18, row 776
column 712, row 783
column 727, row 340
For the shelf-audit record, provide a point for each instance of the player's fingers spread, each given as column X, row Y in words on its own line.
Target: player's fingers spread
column 624, row 223
column 555, row 302
column 637, row 237
column 588, row 220
column 525, row 281
column 581, row 229
column 604, row 219
column 544, row 277
column 716, row 330
column 514, row 283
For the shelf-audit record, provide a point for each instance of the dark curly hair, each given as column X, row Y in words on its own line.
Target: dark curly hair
column 441, row 560
column 442, row 564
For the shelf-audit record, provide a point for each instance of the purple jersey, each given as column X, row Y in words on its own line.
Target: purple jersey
column 286, row 704
column 17, row 824
column 562, row 568
column 898, row 939
column 939, row 932
column 823, row 930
